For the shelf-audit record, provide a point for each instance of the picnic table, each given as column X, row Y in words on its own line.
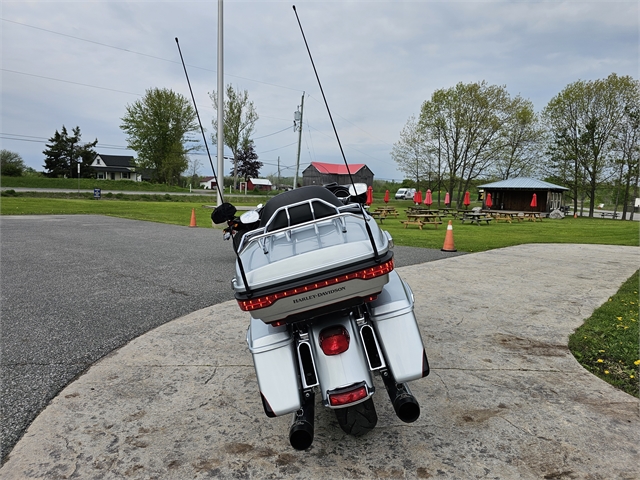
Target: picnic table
column 423, row 211
column 447, row 210
column 505, row 215
column 502, row 217
column 476, row 217
column 387, row 210
column 459, row 213
column 533, row 216
column 421, row 219
column 380, row 213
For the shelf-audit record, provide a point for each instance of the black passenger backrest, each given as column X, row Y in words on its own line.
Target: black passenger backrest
column 300, row 213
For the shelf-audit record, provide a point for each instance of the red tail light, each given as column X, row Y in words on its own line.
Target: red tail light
column 334, row 340
column 268, row 300
column 345, row 398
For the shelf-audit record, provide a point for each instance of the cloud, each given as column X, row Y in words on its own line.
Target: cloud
column 81, row 63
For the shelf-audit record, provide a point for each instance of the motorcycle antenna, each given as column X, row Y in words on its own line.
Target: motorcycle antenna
column 335, row 130
column 325, row 101
column 204, row 138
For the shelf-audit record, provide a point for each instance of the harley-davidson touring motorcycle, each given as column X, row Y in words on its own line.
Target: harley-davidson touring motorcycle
column 327, row 310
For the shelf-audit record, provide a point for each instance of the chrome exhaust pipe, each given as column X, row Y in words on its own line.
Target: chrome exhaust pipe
column 301, row 431
column 404, row 403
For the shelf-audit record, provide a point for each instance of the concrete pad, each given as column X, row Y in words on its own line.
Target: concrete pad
column 505, row 398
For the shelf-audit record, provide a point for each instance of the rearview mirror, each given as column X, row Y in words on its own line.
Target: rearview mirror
column 223, row 213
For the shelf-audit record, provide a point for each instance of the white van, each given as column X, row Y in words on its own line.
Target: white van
column 405, row 193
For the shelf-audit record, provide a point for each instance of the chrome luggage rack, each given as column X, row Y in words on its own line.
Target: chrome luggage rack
column 317, row 215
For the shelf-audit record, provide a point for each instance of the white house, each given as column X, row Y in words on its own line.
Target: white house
column 115, row 167
column 209, row 183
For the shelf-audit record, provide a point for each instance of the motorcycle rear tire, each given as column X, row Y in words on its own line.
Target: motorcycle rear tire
column 359, row 419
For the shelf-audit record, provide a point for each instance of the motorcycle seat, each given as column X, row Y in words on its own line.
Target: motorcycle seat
column 278, row 213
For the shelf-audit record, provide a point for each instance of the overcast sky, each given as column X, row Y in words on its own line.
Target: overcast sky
column 81, row 63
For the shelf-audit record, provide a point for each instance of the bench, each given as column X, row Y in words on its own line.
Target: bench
column 609, row 214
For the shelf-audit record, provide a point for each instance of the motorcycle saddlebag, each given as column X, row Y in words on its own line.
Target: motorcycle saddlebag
column 275, row 362
column 395, row 324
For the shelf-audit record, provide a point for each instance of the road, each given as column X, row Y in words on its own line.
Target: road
column 75, row 288
column 103, row 192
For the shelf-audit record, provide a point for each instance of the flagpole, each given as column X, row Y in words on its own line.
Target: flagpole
column 220, row 169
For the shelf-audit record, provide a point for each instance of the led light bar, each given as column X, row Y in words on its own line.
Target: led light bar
column 268, row 300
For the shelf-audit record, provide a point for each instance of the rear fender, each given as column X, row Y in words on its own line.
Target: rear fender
column 336, row 372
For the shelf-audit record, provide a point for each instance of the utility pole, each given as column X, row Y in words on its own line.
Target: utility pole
column 297, row 123
column 220, row 172
column 278, row 185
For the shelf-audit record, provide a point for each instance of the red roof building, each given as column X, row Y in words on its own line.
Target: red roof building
column 320, row 173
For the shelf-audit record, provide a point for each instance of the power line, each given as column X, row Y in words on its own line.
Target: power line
column 68, row 81
column 279, row 148
column 143, row 54
column 44, row 140
column 169, row 61
column 274, row 133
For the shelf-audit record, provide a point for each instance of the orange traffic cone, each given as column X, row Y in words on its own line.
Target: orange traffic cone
column 193, row 218
column 448, row 240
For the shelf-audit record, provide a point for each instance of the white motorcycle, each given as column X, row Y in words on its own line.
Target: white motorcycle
column 327, row 309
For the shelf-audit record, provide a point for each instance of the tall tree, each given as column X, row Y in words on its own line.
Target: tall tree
column 466, row 121
column 410, row 152
column 520, row 138
column 248, row 164
column 158, row 128
column 584, row 118
column 194, row 167
column 627, row 148
column 11, row 164
column 65, row 152
column 240, row 117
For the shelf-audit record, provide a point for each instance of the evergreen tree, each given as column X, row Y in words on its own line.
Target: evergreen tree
column 248, row 164
column 64, row 152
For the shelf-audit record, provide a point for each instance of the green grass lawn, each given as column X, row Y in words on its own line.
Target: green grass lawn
column 177, row 213
column 176, row 210
column 606, row 345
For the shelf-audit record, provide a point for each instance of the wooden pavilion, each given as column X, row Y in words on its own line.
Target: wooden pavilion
column 517, row 193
